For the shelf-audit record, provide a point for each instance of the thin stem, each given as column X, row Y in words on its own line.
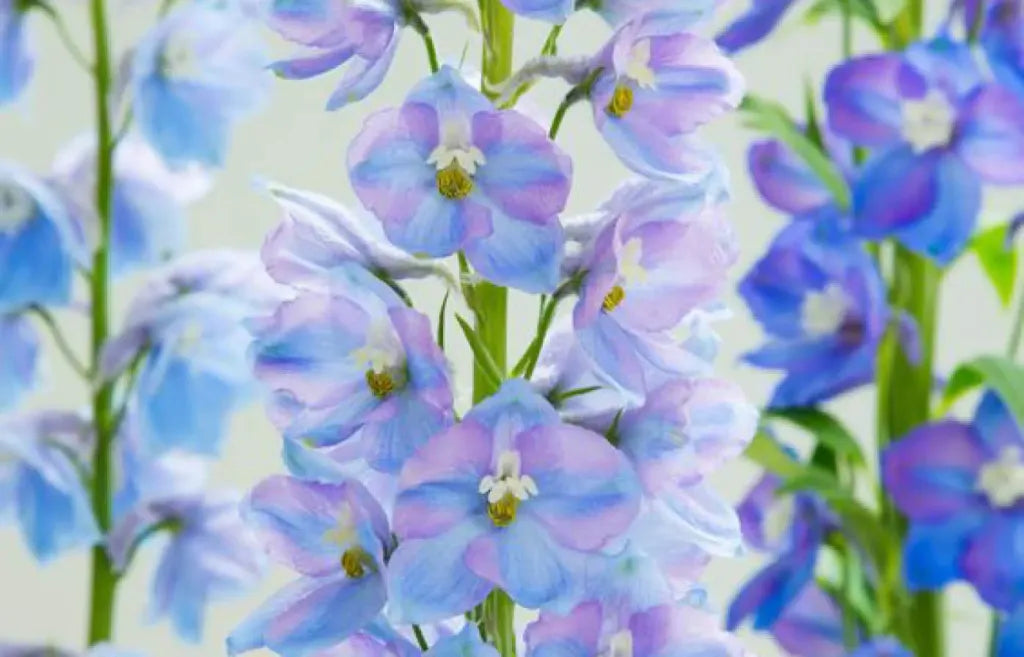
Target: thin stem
column 65, row 36
column 576, row 94
column 994, row 632
column 550, row 46
column 62, row 343
column 1013, row 345
column 978, row 23
column 418, row 24
column 104, row 578
column 847, row 22
column 420, row 639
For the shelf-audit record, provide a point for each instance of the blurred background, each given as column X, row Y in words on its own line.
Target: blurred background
column 294, row 141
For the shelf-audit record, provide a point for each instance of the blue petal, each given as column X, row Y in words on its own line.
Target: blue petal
column 148, row 227
column 754, row 25
column 932, row 551
column 520, row 254
column 35, row 265
column 19, row 352
column 16, row 61
column 182, row 122
column 514, row 408
column 362, row 77
column 53, row 516
column 552, row 11
column 1011, row 635
column 466, row 643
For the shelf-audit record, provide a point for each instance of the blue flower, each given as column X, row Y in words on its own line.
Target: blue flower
column 882, row 647
column 41, row 481
column 148, row 200
column 362, row 37
column 193, row 76
column 19, row 355
column 210, row 555
column 39, row 243
column 755, row 24
column 185, row 334
column 961, row 487
column 937, row 131
column 16, row 59
column 821, row 300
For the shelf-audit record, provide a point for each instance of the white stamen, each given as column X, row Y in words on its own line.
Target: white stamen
column 631, row 272
column 928, row 122
column 456, row 146
column 824, row 311
column 621, row 644
column 16, row 206
column 638, row 66
column 382, row 351
column 178, row 59
column 343, row 534
column 1002, row 480
column 508, row 480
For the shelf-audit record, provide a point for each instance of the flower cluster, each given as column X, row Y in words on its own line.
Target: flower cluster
column 576, row 482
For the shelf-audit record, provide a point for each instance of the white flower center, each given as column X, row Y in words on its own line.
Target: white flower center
column 621, row 644
column 190, row 338
column 456, row 147
column 16, row 206
column 343, row 534
column 508, row 480
column 631, row 271
column 824, row 310
column 179, row 59
column 1002, row 480
column 382, row 351
column 928, row 122
column 638, row 65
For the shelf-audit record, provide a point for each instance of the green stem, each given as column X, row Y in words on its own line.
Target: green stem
column 104, row 578
column 1013, row 346
column 64, row 35
column 418, row 24
column 60, row 341
column 905, row 402
column 420, row 639
column 993, row 642
column 847, row 28
column 491, row 301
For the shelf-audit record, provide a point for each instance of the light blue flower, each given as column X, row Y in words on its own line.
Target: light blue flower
column 19, row 356
column 17, row 61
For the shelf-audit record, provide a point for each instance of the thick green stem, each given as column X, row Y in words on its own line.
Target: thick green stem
column 491, row 301
column 905, row 389
column 104, row 578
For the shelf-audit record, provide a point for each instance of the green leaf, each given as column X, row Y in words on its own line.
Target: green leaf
column 826, row 429
column 888, row 10
column 766, row 452
column 440, row 320
column 812, row 478
column 862, row 9
column 813, row 128
column 557, row 397
column 772, row 118
column 484, row 359
column 1000, row 374
column 997, row 261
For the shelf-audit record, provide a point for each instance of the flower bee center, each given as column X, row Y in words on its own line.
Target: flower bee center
column 1002, row 479
column 454, row 182
column 621, row 102
column 356, row 562
column 506, row 489
column 16, row 206
column 824, row 311
column 621, row 644
column 381, row 384
column 928, row 122
column 613, row 299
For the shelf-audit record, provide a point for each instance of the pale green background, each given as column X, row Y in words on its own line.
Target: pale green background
column 295, row 142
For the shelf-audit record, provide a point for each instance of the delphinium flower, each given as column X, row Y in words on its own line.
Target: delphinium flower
column 148, row 200
column 193, row 76
column 1001, row 36
column 39, row 245
column 336, row 537
column 210, row 555
column 352, row 370
column 962, row 488
column 41, row 480
column 16, row 58
column 662, row 252
column 819, row 296
column 361, row 37
column 184, row 336
column 938, row 130
column 447, row 171
column 19, row 355
column 788, row 184
column 508, row 497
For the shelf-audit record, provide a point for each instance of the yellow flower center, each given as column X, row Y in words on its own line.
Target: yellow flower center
column 381, row 384
column 356, row 562
column 503, row 512
column 454, row 182
column 621, row 102
column 614, row 297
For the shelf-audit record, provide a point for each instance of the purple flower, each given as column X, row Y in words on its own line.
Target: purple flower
column 679, row 629
column 318, row 236
column 811, row 625
column 962, row 487
column 662, row 254
column 186, row 336
column 654, row 90
column 937, row 131
column 819, row 297
column 335, row 537
column 793, row 528
column 883, row 647
column 354, row 371
column 360, row 36
column 211, row 555
column 41, row 481
column 378, row 639
column 148, row 201
column 39, row 243
column 447, row 171
column 784, row 180
column 510, row 497
column 19, row 356
column 467, row 643
column 753, row 25
column 17, row 61
column 193, row 76
column 1002, row 37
